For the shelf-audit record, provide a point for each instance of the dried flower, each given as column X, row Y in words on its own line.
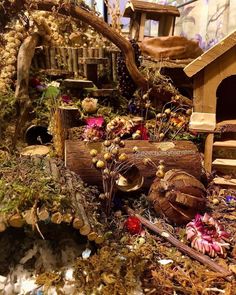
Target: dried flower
column 66, row 99
column 89, row 105
column 207, row 235
column 230, row 199
column 93, row 131
column 133, row 225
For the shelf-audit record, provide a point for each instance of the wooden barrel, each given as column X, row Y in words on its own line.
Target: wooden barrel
column 176, row 155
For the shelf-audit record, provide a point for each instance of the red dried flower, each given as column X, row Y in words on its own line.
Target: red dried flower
column 133, row 225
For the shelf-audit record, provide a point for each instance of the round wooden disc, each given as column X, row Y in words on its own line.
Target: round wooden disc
column 35, row 150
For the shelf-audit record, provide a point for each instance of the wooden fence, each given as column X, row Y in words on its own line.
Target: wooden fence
column 89, row 62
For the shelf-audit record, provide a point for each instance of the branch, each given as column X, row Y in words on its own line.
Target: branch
column 181, row 246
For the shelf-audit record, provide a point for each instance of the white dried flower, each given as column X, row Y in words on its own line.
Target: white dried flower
column 89, row 105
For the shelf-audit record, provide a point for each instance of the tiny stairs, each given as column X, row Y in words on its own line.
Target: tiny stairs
column 220, row 153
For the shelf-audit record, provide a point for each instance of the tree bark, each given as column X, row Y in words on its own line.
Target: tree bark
column 176, row 155
column 24, row 59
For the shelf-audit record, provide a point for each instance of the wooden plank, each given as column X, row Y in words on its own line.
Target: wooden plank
column 224, row 162
column 165, row 27
column 74, row 83
column 208, row 152
column 47, row 57
column 224, row 181
column 92, row 61
column 210, row 55
column 142, row 27
column 103, row 92
column 153, row 9
column 134, row 26
column 225, row 144
column 52, row 52
column 226, row 126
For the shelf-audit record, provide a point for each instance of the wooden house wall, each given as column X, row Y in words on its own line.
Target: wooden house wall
column 207, row 81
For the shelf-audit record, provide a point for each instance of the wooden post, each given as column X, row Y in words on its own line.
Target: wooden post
column 142, row 27
column 64, row 60
column 208, row 152
column 135, row 26
column 80, row 67
column 75, row 61
column 52, row 57
column 70, row 63
column 114, row 66
column 47, row 57
column 165, row 27
column 59, row 58
column 85, row 54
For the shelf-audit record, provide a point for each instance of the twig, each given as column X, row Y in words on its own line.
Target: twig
column 180, row 246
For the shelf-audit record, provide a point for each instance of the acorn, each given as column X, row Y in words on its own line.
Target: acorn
column 100, row 164
column 93, row 153
column 161, row 135
column 159, row 115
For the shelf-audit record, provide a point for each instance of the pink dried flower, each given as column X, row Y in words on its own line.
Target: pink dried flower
column 207, row 235
column 95, row 121
column 93, row 131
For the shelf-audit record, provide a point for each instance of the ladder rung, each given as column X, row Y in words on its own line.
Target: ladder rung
column 224, row 162
column 226, row 144
column 223, row 181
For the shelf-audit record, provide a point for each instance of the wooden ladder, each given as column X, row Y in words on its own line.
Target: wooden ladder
column 221, row 163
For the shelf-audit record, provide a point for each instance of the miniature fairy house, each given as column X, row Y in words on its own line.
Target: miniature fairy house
column 214, row 78
column 140, row 11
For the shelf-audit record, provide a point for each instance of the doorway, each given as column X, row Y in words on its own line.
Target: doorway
column 226, row 99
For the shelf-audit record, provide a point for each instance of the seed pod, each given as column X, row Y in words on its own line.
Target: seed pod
column 100, row 164
column 93, row 153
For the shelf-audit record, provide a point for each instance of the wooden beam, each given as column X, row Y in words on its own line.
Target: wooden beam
column 208, row 152
column 142, row 27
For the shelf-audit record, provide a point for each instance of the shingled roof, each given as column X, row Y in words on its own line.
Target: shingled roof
column 153, row 11
column 211, row 55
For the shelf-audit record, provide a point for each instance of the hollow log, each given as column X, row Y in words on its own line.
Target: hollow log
column 176, row 155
